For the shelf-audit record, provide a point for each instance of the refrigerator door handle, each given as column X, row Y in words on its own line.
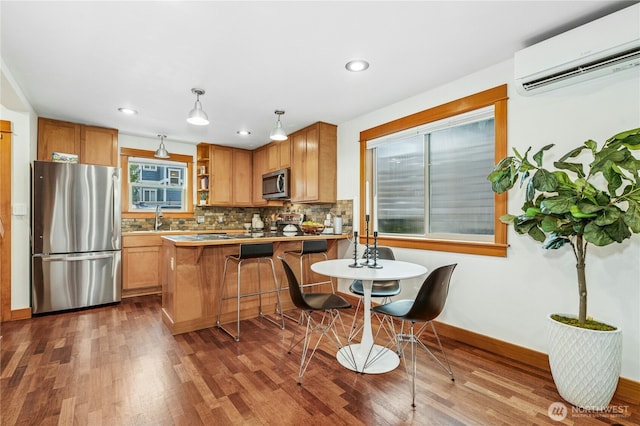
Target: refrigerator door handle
column 115, row 206
column 67, row 258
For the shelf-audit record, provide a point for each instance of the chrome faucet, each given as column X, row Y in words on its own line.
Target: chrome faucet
column 158, row 224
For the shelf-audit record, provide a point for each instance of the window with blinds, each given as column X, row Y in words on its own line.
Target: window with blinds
column 431, row 181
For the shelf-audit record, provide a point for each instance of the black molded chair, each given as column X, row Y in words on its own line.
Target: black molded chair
column 308, row 249
column 379, row 289
column 326, row 304
column 427, row 305
column 256, row 253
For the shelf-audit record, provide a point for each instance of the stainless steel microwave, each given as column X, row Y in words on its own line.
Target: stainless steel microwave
column 275, row 184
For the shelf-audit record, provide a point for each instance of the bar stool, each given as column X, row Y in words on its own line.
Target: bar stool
column 308, row 249
column 254, row 253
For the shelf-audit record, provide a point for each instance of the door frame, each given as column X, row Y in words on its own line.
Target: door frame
column 5, row 213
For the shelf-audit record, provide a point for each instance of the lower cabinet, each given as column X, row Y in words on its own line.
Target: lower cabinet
column 141, row 256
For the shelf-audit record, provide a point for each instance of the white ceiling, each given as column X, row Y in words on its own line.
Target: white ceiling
column 80, row 61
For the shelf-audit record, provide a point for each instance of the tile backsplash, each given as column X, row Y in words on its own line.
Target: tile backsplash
column 232, row 218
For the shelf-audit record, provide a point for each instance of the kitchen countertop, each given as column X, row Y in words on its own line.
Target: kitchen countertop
column 202, row 239
column 181, row 232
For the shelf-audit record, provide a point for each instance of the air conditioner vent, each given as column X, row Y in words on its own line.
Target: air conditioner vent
column 608, row 45
column 612, row 63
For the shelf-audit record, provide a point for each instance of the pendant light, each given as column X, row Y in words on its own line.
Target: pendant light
column 161, row 152
column 197, row 116
column 278, row 133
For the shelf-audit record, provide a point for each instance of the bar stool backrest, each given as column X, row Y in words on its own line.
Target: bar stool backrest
column 314, row 246
column 252, row 251
column 383, row 253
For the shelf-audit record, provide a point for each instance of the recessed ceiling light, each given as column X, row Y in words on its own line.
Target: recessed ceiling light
column 243, row 132
column 128, row 111
column 357, row 65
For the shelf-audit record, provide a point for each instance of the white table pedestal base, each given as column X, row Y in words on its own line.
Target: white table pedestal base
column 358, row 358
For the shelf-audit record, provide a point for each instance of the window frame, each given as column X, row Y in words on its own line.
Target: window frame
column 496, row 97
column 125, row 153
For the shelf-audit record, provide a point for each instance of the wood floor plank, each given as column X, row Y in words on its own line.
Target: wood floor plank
column 119, row 365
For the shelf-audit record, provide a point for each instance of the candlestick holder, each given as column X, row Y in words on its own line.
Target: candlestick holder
column 375, row 264
column 367, row 252
column 355, row 263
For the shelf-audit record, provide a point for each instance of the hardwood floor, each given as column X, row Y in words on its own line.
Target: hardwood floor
column 118, row 365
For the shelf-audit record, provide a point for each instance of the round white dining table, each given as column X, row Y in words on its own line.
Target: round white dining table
column 367, row 357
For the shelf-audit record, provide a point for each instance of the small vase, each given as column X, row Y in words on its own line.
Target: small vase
column 256, row 222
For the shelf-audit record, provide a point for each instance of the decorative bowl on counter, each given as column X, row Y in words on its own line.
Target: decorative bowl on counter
column 314, row 229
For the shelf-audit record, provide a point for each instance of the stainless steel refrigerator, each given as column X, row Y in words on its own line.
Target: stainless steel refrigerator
column 76, row 236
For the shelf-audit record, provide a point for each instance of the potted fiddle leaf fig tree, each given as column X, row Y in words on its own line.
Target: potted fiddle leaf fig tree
column 591, row 196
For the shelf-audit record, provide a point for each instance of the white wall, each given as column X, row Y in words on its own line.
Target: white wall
column 509, row 298
column 152, row 143
column 23, row 150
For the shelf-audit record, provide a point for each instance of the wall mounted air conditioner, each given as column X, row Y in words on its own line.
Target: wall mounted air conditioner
column 607, row 45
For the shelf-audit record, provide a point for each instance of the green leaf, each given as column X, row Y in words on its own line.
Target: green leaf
column 574, row 167
column 555, row 243
column 507, row 218
column 537, row 234
column 632, row 216
column 592, row 145
column 608, row 153
column 608, row 216
column 559, row 204
column 523, row 177
column 573, row 153
column 612, row 175
column 501, row 177
column 544, row 181
column 564, row 182
column 597, row 235
column 618, row 231
column 530, row 192
column 550, row 223
column 589, row 208
column 630, row 138
column 537, row 157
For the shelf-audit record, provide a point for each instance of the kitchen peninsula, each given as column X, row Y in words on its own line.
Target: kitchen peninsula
column 192, row 267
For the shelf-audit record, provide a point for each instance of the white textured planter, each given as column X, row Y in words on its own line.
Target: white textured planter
column 585, row 364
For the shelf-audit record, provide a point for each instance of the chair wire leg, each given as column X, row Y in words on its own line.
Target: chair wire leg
column 276, row 291
column 222, row 289
column 325, row 326
column 413, row 367
column 355, row 326
column 446, row 367
column 236, row 337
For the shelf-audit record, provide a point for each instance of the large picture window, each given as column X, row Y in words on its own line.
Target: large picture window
column 418, row 185
column 428, row 173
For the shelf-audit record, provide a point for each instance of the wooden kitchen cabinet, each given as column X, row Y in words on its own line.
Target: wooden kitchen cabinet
column 278, row 155
column 230, row 176
column 220, row 175
column 313, row 164
column 259, row 168
column 242, row 177
column 141, row 256
column 92, row 145
column 98, row 145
